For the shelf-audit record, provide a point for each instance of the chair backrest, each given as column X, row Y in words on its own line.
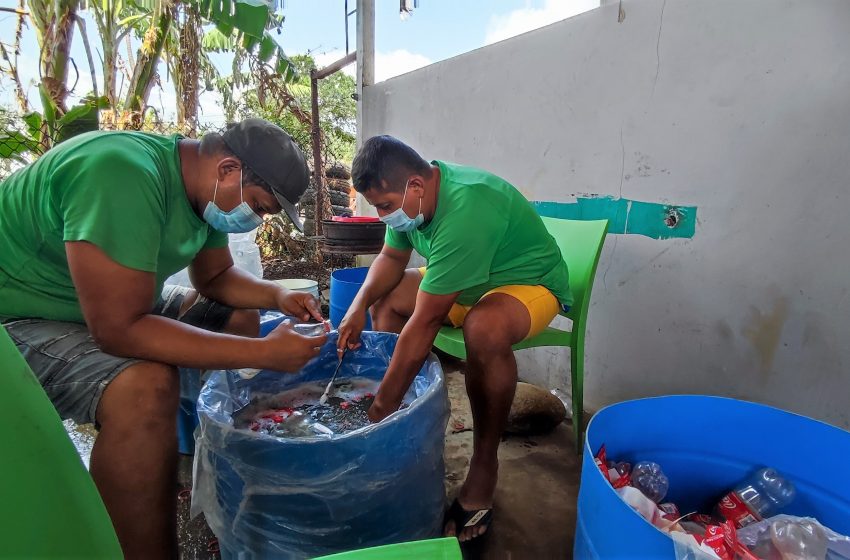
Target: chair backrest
column 51, row 507
column 580, row 242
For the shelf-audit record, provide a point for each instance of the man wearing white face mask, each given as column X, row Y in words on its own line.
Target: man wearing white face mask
column 88, row 234
column 493, row 269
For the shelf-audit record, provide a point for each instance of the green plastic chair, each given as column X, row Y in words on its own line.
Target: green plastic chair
column 581, row 244
column 50, row 507
column 434, row 549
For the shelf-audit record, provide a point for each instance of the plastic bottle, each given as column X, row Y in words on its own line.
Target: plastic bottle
column 799, row 539
column 245, row 253
column 651, row 480
column 312, row 329
column 761, row 495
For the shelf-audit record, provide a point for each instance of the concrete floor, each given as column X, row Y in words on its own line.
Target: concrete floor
column 535, row 505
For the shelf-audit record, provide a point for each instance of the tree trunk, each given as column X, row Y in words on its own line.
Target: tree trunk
column 186, row 78
column 110, row 55
column 54, row 25
column 106, row 18
column 144, row 73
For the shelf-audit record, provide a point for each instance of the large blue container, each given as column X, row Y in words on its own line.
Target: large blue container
column 706, row 445
column 268, row 497
column 345, row 283
column 187, row 417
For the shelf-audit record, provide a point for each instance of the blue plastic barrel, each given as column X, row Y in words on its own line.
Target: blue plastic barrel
column 292, row 498
column 706, row 445
column 345, row 283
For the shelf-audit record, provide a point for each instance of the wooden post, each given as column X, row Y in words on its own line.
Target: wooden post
column 318, row 171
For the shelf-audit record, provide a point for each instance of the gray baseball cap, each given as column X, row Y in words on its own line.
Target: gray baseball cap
column 273, row 155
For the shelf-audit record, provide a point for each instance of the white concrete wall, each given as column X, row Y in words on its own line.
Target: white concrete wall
column 738, row 107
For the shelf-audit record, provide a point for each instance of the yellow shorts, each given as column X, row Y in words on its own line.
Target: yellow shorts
column 541, row 304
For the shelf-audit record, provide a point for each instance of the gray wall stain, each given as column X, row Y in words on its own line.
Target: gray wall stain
column 724, row 331
column 763, row 330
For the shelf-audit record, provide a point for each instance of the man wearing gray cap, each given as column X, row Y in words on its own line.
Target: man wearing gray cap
column 88, row 234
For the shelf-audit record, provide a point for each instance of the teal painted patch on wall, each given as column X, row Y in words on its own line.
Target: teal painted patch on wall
column 654, row 220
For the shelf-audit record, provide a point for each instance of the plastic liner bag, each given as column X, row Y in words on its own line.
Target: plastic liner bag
column 270, row 497
column 686, row 547
column 788, row 537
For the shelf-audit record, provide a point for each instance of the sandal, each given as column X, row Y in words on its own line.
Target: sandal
column 465, row 519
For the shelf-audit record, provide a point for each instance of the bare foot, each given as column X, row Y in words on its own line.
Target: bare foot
column 476, row 494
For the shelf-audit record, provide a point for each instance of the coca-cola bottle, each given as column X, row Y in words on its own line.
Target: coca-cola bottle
column 761, row 495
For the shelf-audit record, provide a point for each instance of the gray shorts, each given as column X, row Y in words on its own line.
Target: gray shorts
column 71, row 367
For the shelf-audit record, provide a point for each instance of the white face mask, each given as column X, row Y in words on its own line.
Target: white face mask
column 241, row 219
column 398, row 218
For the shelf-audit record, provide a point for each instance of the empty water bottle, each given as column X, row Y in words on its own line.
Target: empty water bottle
column 761, row 495
column 799, row 539
column 651, row 480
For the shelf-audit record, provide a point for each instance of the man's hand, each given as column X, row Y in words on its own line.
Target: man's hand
column 299, row 304
column 286, row 350
column 380, row 410
column 414, row 344
column 350, row 328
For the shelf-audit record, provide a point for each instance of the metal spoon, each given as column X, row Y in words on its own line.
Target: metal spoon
column 324, row 397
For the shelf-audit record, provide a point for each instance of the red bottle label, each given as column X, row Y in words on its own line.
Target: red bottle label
column 731, row 507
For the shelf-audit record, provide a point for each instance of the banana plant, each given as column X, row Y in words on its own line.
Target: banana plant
column 243, row 30
column 53, row 21
column 147, row 61
column 247, row 21
column 115, row 20
column 187, row 63
column 39, row 135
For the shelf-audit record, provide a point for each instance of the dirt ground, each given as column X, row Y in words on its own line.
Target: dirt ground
column 535, row 505
column 274, row 269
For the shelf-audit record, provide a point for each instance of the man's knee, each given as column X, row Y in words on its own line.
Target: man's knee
column 244, row 322
column 381, row 306
column 401, row 300
column 483, row 332
column 145, row 392
column 495, row 323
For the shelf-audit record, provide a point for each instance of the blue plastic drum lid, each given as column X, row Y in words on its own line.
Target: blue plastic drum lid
column 706, row 445
column 345, row 283
column 266, row 497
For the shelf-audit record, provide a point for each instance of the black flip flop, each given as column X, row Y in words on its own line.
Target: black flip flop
column 464, row 519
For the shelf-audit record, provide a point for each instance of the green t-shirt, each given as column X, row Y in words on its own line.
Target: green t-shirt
column 484, row 234
column 122, row 191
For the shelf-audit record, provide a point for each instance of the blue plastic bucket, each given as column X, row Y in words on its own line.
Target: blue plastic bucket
column 187, row 421
column 187, row 416
column 705, row 445
column 345, row 283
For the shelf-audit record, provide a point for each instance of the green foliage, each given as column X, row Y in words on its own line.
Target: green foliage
column 337, row 110
column 247, row 27
column 21, row 140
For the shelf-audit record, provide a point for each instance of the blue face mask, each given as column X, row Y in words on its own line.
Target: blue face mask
column 241, row 219
column 399, row 220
